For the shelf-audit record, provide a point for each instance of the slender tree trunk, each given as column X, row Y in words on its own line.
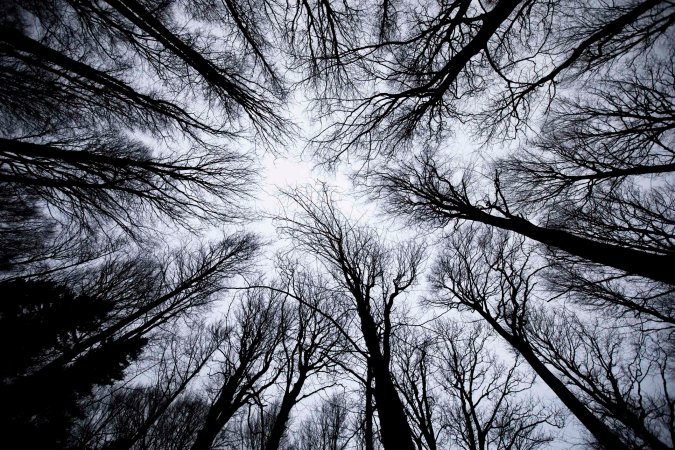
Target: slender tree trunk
column 89, row 342
column 127, row 444
column 19, row 44
column 606, row 437
column 289, row 400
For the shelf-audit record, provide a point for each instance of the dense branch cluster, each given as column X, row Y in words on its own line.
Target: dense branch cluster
column 514, row 290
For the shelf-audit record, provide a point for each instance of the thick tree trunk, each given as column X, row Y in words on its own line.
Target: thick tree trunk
column 369, row 412
column 624, row 172
column 491, row 21
column 394, row 428
column 220, row 412
column 636, row 262
column 216, row 419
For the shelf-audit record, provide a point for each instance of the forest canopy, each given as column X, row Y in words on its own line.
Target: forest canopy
column 498, row 272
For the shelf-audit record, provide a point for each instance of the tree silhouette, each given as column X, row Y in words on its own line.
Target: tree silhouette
column 137, row 317
column 327, row 428
column 314, row 345
column 374, row 276
column 430, row 193
column 248, row 366
column 499, row 283
column 42, row 319
column 136, row 416
column 421, row 70
column 484, row 406
column 74, row 111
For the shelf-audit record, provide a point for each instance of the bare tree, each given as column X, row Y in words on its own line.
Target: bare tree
column 120, row 118
column 600, row 165
column 414, row 368
column 320, row 38
column 76, row 100
column 600, row 142
column 600, row 169
column 488, row 404
column 603, row 289
column 310, row 355
column 250, row 428
column 113, row 31
column 246, row 363
column 313, row 346
column 495, row 65
column 621, row 373
column 119, row 409
column 459, row 393
column 428, row 192
column 173, row 362
column 374, row 276
column 95, row 180
column 327, row 428
column 147, row 294
column 177, row 428
column 488, row 273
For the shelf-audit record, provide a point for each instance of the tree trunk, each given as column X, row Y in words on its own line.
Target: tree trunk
column 128, row 443
column 289, row 400
column 368, row 413
column 636, row 262
column 395, row 430
column 606, row 437
column 219, row 414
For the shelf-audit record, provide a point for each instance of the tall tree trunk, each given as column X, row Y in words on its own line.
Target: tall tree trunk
column 35, row 53
column 220, row 412
column 368, row 419
column 394, row 428
column 605, row 436
column 650, row 265
column 289, row 400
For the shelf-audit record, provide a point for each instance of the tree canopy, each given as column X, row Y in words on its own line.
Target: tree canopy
column 498, row 273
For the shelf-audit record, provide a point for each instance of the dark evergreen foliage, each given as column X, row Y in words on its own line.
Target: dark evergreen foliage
column 39, row 321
